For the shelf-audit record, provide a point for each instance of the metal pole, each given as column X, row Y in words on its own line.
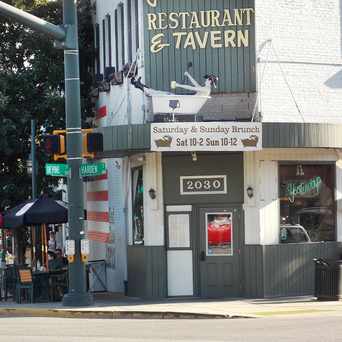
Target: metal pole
column 36, row 247
column 78, row 294
column 33, row 157
column 68, row 40
column 32, row 21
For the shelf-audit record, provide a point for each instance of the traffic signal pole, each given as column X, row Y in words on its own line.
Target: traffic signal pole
column 66, row 38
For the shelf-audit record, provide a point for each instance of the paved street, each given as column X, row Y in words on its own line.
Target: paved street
column 312, row 328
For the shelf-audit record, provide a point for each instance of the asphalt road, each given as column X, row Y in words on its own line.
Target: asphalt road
column 295, row 328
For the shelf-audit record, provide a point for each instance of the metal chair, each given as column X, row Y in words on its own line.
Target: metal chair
column 9, row 281
column 58, row 284
column 24, row 282
column 2, row 285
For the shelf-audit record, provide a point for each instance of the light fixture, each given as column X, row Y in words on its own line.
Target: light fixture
column 250, row 192
column 141, row 158
column 194, row 156
column 152, row 193
column 299, row 171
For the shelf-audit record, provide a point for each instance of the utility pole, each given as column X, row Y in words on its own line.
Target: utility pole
column 33, row 159
column 36, row 247
column 66, row 38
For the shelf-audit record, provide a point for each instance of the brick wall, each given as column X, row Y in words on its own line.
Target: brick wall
column 306, row 40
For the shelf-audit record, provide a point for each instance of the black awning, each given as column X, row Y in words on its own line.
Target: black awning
column 43, row 210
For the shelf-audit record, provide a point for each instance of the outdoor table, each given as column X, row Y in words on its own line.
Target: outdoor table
column 49, row 286
column 40, row 286
column 58, row 283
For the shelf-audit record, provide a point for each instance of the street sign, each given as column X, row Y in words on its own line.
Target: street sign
column 57, row 170
column 92, row 169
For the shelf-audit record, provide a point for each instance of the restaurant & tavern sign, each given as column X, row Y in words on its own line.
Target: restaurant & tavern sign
column 199, row 29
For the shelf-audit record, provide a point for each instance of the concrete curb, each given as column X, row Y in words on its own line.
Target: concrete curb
column 100, row 314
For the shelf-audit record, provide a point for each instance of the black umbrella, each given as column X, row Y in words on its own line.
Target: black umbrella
column 43, row 210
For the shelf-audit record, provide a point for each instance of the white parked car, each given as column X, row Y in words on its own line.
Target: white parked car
column 293, row 233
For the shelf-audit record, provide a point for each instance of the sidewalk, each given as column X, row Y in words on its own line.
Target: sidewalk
column 125, row 307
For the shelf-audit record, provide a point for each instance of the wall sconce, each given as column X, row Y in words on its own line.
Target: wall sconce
column 194, row 156
column 29, row 165
column 250, row 192
column 299, row 171
column 152, row 193
column 141, row 159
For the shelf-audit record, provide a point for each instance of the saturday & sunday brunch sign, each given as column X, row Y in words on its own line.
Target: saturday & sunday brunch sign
column 206, row 136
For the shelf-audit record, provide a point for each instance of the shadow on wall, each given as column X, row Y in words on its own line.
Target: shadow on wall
column 341, row 26
column 335, row 82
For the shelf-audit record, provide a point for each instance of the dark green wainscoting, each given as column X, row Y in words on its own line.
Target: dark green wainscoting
column 284, row 269
column 147, row 271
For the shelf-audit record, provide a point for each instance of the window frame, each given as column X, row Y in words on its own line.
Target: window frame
column 97, row 49
column 116, row 34
column 109, row 29
column 104, row 44
column 334, row 182
column 133, row 169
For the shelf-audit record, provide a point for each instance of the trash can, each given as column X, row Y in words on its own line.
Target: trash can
column 328, row 279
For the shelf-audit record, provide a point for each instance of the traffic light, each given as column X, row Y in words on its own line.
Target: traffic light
column 92, row 143
column 55, row 145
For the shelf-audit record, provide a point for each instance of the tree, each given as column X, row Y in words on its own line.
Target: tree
column 32, row 86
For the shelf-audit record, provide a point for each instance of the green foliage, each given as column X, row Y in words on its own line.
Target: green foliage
column 32, row 86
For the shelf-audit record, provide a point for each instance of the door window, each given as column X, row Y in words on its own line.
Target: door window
column 219, row 233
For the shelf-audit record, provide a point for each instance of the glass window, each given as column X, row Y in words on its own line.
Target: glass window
column 307, row 204
column 138, row 206
column 219, row 233
column 293, row 234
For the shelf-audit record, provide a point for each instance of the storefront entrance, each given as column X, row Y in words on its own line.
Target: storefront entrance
column 204, row 231
column 220, row 251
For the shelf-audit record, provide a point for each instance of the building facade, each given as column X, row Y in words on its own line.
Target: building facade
column 234, row 198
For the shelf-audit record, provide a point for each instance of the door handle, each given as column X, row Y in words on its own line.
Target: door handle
column 202, row 256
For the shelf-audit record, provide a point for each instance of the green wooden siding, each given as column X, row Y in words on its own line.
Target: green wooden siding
column 235, row 67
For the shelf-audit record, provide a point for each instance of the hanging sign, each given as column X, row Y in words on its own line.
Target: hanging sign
column 308, row 188
column 206, row 136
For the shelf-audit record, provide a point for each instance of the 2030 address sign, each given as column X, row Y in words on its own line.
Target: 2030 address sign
column 199, row 185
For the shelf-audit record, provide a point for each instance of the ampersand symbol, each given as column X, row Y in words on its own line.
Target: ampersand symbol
column 156, row 43
column 152, row 3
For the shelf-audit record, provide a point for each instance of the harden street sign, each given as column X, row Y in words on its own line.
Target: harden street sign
column 92, row 169
column 57, row 170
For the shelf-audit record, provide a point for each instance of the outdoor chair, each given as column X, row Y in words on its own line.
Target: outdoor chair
column 25, row 283
column 2, row 284
column 9, row 281
column 58, row 285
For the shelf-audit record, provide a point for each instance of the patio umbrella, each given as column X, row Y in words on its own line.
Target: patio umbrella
column 43, row 210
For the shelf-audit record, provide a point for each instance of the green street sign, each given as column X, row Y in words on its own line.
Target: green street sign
column 57, row 170
column 92, row 169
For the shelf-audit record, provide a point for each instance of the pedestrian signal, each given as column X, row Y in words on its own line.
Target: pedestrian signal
column 92, row 143
column 55, row 145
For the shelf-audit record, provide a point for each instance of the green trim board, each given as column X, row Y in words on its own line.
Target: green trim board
column 129, row 139
column 299, row 135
